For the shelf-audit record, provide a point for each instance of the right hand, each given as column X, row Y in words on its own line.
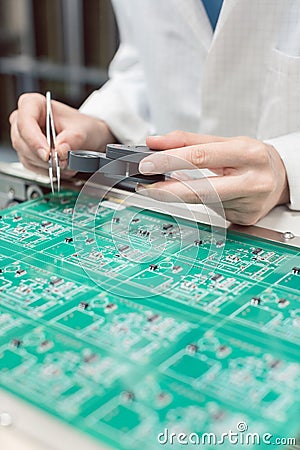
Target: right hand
column 74, row 130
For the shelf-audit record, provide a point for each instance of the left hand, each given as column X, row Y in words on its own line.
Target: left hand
column 251, row 177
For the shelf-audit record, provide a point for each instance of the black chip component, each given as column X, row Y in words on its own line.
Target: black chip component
column 153, row 267
column 223, row 351
column 219, row 243
column 167, row 226
column 274, row 364
column 123, row 248
column 83, row 305
column 46, row 345
column 20, row 272
column 89, row 240
column 198, row 242
column 16, row 343
column 223, row 348
column 17, row 218
column 116, row 220
column 257, row 251
column 152, row 318
column 1, row 270
column 110, row 307
column 216, row 277
column 46, row 224
column 69, row 240
column 136, row 220
column 127, row 396
column 296, row 270
column 144, row 232
column 90, row 358
column 255, row 301
column 192, row 348
column 283, row 302
column 56, row 281
column 177, row 269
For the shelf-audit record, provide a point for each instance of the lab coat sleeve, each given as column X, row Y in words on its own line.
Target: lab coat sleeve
column 122, row 101
column 288, row 147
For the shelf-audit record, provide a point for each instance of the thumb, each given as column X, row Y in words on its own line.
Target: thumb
column 67, row 140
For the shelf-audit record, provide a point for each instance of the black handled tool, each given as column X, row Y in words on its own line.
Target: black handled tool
column 120, row 161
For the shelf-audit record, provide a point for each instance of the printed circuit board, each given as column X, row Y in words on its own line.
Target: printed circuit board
column 129, row 324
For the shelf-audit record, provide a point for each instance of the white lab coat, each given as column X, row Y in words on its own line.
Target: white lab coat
column 172, row 72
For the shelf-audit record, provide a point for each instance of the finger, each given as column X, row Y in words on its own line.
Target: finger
column 210, row 156
column 181, row 139
column 12, row 116
column 23, row 150
column 30, row 121
column 180, row 175
column 69, row 139
column 206, row 190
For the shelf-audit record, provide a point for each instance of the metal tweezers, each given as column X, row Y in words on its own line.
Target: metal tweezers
column 51, row 139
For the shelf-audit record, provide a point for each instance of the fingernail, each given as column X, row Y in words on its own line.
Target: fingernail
column 63, row 164
column 146, row 167
column 63, row 150
column 156, row 136
column 43, row 154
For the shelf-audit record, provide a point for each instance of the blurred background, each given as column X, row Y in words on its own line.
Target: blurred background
column 60, row 45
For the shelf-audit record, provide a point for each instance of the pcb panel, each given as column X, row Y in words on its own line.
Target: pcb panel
column 140, row 326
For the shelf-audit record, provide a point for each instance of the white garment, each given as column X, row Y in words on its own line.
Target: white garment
column 172, row 72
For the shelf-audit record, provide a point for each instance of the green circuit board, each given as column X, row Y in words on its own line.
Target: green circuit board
column 131, row 325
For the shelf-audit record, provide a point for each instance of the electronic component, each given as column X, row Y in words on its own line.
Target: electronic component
column 123, row 248
column 83, row 305
column 144, row 232
column 283, row 302
column 56, row 281
column 257, row 251
column 16, row 343
column 216, row 277
column 198, row 242
column 20, row 272
column 255, row 301
column 192, row 348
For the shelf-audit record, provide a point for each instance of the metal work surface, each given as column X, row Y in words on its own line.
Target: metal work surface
column 129, row 325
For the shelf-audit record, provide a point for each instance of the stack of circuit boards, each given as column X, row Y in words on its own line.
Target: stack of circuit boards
column 126, row 325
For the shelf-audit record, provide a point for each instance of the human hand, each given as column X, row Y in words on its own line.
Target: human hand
column 74, row 131
column 251, row 177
